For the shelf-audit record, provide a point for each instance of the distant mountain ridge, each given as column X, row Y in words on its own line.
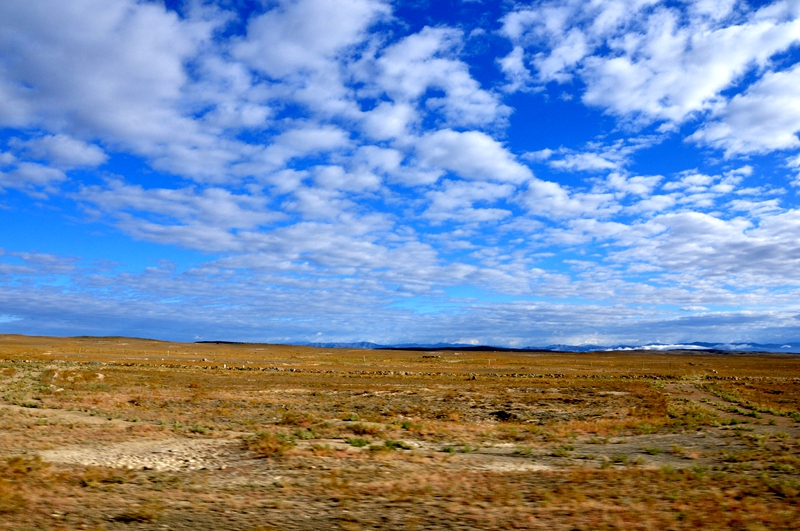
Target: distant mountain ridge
column 793, row 347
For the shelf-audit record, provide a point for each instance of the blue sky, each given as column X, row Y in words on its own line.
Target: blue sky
column 561, row 171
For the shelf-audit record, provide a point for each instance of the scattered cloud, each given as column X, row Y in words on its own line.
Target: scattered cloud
column 599, row 171
column 472, row 155
column 764, row 118
column 62, row 151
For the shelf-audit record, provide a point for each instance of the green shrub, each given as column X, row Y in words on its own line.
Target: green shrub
column 396, row 445
column 306, row 434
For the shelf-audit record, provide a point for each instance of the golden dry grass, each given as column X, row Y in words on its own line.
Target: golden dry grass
column 354, row 439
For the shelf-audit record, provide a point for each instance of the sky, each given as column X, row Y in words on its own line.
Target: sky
column 507, row 173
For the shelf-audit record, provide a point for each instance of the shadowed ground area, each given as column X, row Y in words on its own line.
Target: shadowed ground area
column 119, row 433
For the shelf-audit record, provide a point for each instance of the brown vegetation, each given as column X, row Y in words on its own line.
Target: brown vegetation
column 108, row 433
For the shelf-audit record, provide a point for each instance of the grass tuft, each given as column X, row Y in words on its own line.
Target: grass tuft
column 269, row 444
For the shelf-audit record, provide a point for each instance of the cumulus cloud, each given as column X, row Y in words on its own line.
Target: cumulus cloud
column 472, row 155
column 117, row 74
column 595, row 156
column 766, row 117
column 339, row 175
column 551, row 200
column 637, row 184
column 32, row 178
column 513, row 66
column 759, row 252
column 207, row 219
column 664, row 64
column 298, row 36
column 456, row 200
column 389, row 120
column 427, row 60
column 299, row 142
column 62, row 151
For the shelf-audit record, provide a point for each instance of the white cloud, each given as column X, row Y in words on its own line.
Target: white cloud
column 304, row 57
column 551, row 200
column 663, row 65
column 201, row 219
column 301, row 35
column 756, row 208
column 766, row 117
column 794, row 163
column 638, row 185
column 471, row 155
column 294, row 143
column 456, row 201
column 427, row 60
column 377, row 158
column 540, row 155
column 63, row 151
column 117, row 72
column 741, row 251
column 584, row 162
column 594, row 156
column 317, row 203
column 655, row 203
column 337, row 178
column 389, row 120
column 340, row 163
column 691, row 181
column 32, row 178
column 513, row 66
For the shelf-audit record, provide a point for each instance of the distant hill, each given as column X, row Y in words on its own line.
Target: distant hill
column 366, row 345
column 793, row 347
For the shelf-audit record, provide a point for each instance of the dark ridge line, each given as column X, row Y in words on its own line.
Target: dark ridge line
column 107, row 337
column 480, row 348
column 228, row 343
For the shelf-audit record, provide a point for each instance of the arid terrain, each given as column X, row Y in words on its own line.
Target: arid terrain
column 118, row 433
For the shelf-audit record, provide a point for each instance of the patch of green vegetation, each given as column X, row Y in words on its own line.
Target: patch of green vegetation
column 563, row 451
column 396, row 445
column 306, row 434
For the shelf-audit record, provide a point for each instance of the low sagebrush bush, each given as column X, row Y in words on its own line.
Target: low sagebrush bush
column 306, row 434
column 11, row 499
column 14, row 473
column 296, row 418
column 364, row 429
column 140, row 513
column 97, row 477
column 268, row 444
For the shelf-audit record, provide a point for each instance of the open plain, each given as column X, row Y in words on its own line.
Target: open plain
column 119, row 433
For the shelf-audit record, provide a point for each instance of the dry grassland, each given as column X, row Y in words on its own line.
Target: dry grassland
column 117, row 433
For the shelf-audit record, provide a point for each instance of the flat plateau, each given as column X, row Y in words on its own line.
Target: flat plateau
column 119, row 433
